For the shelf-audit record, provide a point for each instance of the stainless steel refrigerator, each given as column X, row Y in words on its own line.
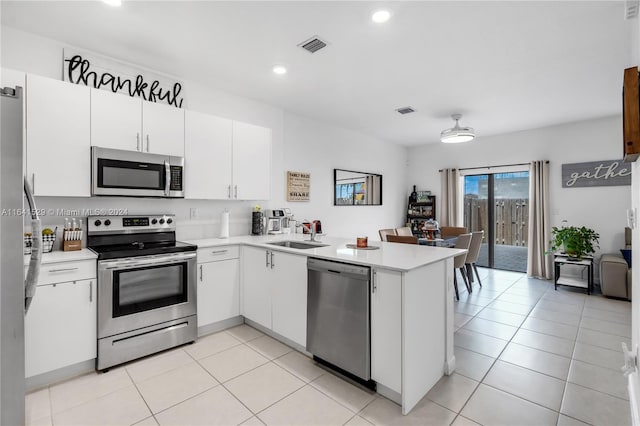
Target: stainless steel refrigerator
column 15, row 291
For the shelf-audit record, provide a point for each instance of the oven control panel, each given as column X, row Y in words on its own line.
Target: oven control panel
column 130, row 224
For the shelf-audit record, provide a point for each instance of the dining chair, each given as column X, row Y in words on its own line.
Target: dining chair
column 451, row 231
column 384, row 232
column 472, row 255
column 404, row 231
column 402, row 239
column 458, row 262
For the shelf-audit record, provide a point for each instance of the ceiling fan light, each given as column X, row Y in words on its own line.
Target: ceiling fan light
column 457, row 134
column 462, row 134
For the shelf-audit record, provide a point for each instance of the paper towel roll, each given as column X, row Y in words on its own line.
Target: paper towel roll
column 224, row 224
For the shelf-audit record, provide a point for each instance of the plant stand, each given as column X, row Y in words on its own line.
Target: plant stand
column 586, row 261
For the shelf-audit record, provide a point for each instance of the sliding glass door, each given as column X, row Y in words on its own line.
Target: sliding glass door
column 498, row 204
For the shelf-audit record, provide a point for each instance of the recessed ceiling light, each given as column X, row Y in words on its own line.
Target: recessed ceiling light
column 280, row 69
column 114, row 3
column 380, row 16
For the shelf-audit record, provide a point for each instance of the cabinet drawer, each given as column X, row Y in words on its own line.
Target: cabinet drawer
column 67, row 271
column 212, row 254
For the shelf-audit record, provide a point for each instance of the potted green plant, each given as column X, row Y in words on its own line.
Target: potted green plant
column 575, row 242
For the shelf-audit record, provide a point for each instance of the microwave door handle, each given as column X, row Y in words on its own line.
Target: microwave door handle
column 167, row 178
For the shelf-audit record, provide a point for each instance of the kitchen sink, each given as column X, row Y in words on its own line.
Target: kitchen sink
column 297, row 244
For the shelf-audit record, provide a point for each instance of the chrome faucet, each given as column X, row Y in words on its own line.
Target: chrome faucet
column 311, row 229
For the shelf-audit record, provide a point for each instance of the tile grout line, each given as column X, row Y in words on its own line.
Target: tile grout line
column 481, row 381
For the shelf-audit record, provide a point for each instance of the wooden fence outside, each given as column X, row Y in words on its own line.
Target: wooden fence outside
column 511, row 219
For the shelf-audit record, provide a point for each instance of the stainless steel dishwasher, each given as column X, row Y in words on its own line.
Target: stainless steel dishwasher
column 338, row 327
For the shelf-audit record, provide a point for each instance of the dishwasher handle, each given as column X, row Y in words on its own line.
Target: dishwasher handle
column 353, row 271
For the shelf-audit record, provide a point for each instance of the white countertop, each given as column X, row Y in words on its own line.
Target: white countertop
column 64, row 256
column 395, row 256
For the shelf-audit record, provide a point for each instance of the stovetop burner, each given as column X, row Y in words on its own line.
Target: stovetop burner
column 113, row 237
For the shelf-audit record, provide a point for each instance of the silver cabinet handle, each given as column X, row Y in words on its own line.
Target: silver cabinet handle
column 148, row 143
column 375, row 286
column 138, row 141
column 272, row 265
column 229, row 191
column 200, row 273
column 267, row 259
column 90, row 291
column 235, row 189
column 33, row 183
column 62, row 270
column 219, row 251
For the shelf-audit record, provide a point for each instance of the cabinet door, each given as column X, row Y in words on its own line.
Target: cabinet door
column 251, row 162
column 58, row 137
column 163, row 129
column 386, row 329
column 256, row 287
column 60, row 327
column 289, row 296
column 218, row 291
column 116, row 120
column 207, row 148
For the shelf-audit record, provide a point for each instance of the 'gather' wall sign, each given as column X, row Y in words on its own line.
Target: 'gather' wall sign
column 596, row 173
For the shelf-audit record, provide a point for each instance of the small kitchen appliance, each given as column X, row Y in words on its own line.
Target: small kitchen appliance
column 146, row 286
column 277, row 222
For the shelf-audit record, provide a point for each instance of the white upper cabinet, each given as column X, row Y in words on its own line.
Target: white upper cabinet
column 116, row 121
column 208, row 145
column 251, row 162
column 122, row 122
column 163, row 129
column 58, row 137
column 226, row 159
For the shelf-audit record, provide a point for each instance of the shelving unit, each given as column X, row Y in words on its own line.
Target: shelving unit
column 419, row 212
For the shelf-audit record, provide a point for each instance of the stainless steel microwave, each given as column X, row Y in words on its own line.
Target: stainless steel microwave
column 117, row 172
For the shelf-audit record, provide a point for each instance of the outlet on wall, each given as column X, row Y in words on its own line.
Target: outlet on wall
column 193, row 213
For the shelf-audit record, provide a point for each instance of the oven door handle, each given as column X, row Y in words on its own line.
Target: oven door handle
column 145, row 261
column 167, row 177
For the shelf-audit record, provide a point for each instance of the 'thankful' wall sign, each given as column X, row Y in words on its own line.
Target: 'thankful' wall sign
column 103, row 73
column 596, row 173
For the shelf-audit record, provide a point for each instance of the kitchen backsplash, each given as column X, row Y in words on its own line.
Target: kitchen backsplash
column 206, row 224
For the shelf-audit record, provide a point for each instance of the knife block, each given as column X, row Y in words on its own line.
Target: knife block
column 71, row 245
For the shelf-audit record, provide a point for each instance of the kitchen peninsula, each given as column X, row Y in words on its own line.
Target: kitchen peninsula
column 411, row 302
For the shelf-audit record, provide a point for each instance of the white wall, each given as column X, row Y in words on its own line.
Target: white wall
column 602, row 208
column 307, row 145
column 318, row 149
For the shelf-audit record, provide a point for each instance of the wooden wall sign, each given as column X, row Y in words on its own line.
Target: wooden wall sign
column 100, row 72
column 298, row 186
column 596, row 173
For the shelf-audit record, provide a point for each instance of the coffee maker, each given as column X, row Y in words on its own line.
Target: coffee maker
column 276, row 222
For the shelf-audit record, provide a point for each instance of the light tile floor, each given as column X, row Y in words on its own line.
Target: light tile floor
column 525, row 354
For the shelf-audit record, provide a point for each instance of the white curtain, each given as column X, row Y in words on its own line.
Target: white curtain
column 539, row 264
column 449, row 204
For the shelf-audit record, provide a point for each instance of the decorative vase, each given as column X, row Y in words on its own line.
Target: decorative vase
column 414, row 195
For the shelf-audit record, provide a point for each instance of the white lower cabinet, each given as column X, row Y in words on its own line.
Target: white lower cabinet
column 386, row 329
column 274, row 291
column 289, row 296
column 256, row 288
column 218, row 286
column 60, row 326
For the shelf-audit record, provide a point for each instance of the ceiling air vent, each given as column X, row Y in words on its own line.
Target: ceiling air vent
column 631, row 9
column 313, row 44
column 405, row 110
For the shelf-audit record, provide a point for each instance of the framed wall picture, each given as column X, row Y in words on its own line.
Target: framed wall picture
column 298, row 186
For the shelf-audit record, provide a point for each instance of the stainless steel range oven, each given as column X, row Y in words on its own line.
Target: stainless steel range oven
column 146, row 287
